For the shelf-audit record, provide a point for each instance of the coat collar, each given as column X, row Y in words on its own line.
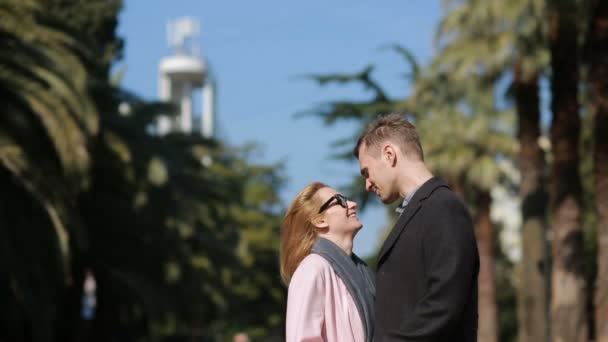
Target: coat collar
column 409, row 211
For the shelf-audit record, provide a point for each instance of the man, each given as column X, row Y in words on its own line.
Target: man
column 426, row 276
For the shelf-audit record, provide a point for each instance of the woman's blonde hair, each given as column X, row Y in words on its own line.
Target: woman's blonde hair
column 298, row 233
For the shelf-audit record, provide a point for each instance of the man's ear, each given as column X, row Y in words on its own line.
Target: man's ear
column 389, row 154
column 320, row 222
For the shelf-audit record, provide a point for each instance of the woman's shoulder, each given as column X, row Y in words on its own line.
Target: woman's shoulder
column 312, row 264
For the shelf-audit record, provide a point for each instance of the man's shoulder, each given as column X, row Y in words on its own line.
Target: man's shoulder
column 433, row 187
column 444, row 203
column 443, row 195
column 448, row 194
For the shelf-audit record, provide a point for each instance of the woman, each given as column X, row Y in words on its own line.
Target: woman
column 331, row 291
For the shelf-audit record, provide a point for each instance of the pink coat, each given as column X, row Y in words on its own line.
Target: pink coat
column 319, row 306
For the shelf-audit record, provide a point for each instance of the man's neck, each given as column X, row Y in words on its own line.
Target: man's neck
column 413, row 178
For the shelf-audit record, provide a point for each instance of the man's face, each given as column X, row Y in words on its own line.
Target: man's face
column 379, row 175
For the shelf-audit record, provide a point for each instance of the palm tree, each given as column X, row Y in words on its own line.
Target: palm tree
column 362, row 111
column 85, row 193
column 480, row 27
column 47, row 122
column 598, row 79
column 506, row 38
column 469, row 155
column 568, row 314
column 533, row 299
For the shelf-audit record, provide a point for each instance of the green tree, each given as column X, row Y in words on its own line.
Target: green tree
column 185, row 243
column 178, row 231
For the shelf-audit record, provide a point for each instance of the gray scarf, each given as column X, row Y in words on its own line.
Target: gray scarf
column 357, row 277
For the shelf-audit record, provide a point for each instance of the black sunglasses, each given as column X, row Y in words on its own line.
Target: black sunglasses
column 342, row 200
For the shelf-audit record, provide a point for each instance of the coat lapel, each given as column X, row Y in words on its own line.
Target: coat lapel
column 408, row 213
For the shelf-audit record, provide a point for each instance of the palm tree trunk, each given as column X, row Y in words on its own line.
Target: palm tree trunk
column 532, row 297
column 488, row 329
column 598, row 77
column 569, row 322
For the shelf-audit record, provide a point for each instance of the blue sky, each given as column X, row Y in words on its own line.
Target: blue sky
column 259, row 49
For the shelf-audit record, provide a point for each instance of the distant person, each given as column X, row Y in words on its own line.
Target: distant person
column 240, row 337
column 427, row 268
column 331, row 291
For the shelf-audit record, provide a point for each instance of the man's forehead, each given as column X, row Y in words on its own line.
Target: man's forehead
column 363, row 148
column 363, row 160
column 363, row 152
column 373, row 150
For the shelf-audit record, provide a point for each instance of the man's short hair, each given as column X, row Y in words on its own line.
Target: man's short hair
column 392, row 127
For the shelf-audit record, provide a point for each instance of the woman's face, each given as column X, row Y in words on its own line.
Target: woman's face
column 339, row 213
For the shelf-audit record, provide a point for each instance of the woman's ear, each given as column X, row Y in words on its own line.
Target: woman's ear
column 320, row 222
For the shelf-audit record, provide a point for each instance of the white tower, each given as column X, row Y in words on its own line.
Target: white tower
column 182, row 73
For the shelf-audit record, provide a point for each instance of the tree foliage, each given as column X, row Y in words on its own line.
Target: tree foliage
column 179, row 232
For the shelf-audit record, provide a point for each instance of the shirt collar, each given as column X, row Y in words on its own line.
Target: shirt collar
column 406, row 201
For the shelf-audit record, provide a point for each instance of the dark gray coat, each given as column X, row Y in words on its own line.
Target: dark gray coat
column 426, row 278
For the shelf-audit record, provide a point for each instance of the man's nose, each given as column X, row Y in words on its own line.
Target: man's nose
column 368, row 185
